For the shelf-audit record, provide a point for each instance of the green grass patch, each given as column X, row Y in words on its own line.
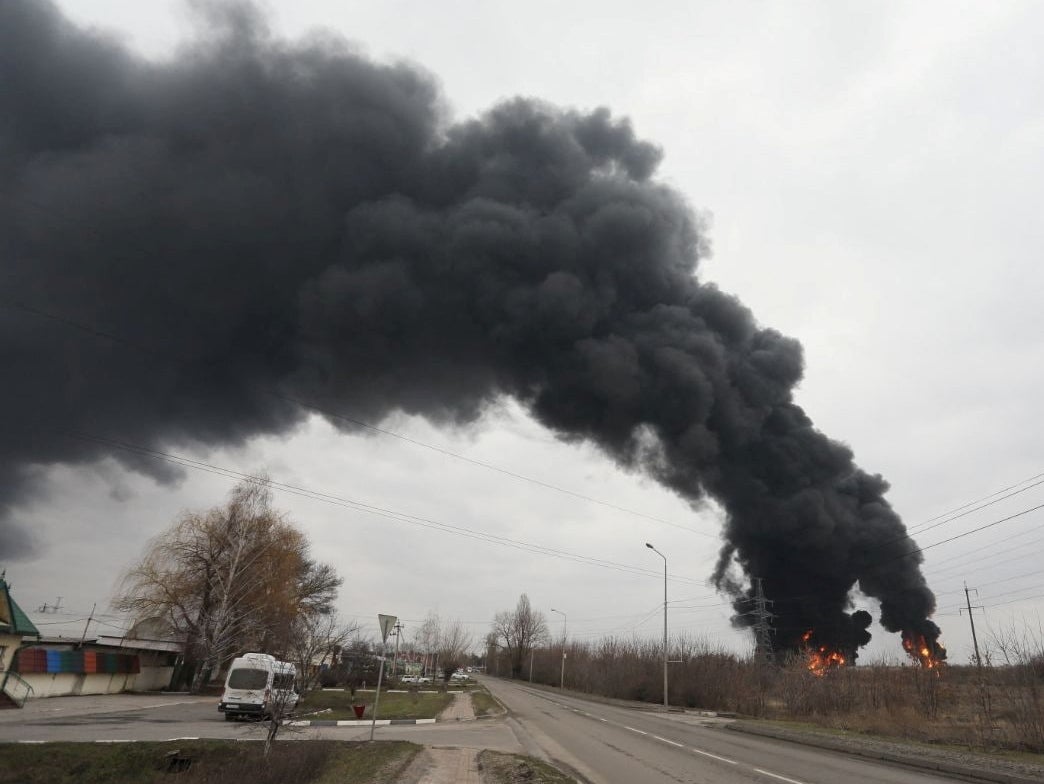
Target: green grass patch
column 338, row 704
column 368, row 763
column 209, row 762
column 484, row 704
column 501, row 768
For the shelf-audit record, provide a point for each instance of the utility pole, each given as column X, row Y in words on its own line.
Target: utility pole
column 398, row 633
column 532, row 652
column 762, row 627
column 565, row 634
column 90, row 618
column 984, row 692
column 971, row 620
column 666, row 704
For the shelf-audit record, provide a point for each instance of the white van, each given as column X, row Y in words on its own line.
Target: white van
column 256, row 685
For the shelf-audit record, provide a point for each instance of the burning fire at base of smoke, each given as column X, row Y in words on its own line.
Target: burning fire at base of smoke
column 920, row 651
column 821, row 658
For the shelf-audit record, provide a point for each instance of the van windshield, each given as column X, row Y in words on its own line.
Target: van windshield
column 248, row 679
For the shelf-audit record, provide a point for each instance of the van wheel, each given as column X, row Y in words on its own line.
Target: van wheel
column 229, row 717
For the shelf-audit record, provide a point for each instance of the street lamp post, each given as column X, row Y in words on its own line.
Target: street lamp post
column 565, row 620
column 664, row 557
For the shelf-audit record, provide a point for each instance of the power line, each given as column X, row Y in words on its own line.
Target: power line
column 909, row 534
column 482, row 464
column 920, row 525
column 978, row 556
column 357, row 422
column 1014, row 601
column 916, row 550
column 379, row 511
column 644, row 618
column 1034, row 573
column 976, row 509
column 961, row 570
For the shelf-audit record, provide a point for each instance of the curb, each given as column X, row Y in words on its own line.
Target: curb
column 909, row 760
column 356, row 722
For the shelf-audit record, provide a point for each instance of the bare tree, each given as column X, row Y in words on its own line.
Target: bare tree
column 492, row 641
column 229, row 579
column 520, row 629
column 315, row 641
column 454, row 643
column 426, row 639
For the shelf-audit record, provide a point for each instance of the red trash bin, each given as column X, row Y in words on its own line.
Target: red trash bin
column 359, row 710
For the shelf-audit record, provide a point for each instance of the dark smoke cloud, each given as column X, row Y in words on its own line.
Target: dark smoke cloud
column 280, row 219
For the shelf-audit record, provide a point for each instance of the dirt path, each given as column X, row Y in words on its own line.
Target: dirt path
column 459, row 710
column 444, row 766
column 447, row 765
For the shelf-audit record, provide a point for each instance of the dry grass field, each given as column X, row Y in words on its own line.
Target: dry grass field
column 1001, row 707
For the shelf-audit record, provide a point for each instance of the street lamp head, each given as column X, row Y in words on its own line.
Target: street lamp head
column 649, row 546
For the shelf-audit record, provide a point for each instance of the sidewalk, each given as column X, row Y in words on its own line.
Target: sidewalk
column 82, row 705
column 459, row 710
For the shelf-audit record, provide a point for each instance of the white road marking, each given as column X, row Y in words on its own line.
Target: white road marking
column 121, row 740
column 679, row 745
column 713, row 756
column 165, row 704
column 777, row 776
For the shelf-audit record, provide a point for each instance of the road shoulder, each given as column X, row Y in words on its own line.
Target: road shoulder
column 950, row 761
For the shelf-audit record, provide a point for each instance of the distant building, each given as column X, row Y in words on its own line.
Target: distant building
column 33, row 665
column 15, row 626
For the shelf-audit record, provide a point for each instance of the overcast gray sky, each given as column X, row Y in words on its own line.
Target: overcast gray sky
column 873, row 177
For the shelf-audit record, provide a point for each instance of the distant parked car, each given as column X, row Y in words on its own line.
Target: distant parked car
column 409, row 679
column 459, row 676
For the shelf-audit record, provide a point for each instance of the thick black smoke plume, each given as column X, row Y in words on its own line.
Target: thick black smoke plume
column 286, row 219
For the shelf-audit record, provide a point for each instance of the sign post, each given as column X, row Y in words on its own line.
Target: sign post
column 386, row 622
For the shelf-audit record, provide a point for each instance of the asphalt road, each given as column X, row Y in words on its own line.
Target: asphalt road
column 602, row 744
column 606, row 744
column 131, row 717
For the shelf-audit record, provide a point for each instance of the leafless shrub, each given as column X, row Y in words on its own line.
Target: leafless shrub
column 1019, row 685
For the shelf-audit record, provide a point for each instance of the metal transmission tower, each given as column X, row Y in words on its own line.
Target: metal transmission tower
column 763, row 650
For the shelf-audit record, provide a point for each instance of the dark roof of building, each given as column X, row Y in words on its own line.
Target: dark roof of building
column 12, row 618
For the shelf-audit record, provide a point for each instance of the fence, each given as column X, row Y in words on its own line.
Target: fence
column 42, row 660
column 16, row 688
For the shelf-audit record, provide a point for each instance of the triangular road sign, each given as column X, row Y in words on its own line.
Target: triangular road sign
column 387, row 622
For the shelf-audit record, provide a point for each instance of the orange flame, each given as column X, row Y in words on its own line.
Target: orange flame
column 822, row 658
column 917, row 646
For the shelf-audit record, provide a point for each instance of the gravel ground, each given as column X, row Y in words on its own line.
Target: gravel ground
column 987, row 767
